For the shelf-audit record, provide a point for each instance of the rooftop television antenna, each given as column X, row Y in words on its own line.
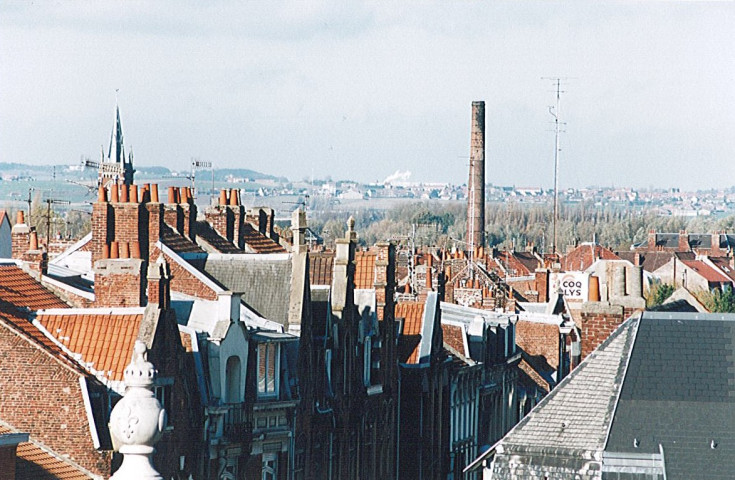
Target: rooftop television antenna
column 555, row 112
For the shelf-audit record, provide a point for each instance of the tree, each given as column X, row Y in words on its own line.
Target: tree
column 717, row 301
column 658, row 293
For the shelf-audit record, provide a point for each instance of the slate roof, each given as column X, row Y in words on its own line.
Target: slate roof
column 263, row 280
column 321, row 265
column 679, row 392
column 103, row 338
column 410, row 341
column 22, row 290
column 662, row 382
column 34, row 462
column 575, row 416
column 365, row 269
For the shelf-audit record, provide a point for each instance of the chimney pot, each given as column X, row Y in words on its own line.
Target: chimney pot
column 223, row 197
column 134, row 249
column 114, row 249
column 233, row 197
column 20, row 217
column 124, row 250
column 101, row 194
column 34, row 241
column 154, row 193
column 114, row 193
column 124, row 190
column 171, row 194
column 133, row 194
column 106, row 250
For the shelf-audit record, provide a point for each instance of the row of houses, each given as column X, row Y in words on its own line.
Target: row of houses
column 274, row 361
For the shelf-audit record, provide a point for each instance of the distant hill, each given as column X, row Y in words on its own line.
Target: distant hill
column 12, row 166
column 223, row 173
column 220, row 174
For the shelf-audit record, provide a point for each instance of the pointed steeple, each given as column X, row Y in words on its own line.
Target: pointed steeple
column 115, row 167
column 116, row 150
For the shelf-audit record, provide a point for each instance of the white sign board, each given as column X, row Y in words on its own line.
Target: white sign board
column 572, row 285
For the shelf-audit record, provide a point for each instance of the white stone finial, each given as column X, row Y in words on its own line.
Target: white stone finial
column 138, row 420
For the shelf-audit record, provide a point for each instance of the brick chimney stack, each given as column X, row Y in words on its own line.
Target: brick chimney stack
column 476, row 183
column 20, row 236
column 227, row 217
column 36, row 256
column 159, row 283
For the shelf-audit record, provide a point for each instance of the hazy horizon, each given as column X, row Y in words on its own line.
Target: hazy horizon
column 359, row 91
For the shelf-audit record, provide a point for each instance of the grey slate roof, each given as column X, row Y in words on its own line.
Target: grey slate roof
column 574, row 416
column 654, row 401
column 264, row 280
column 680, row 392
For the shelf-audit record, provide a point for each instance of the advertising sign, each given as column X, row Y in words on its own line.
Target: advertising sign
column 572, row 285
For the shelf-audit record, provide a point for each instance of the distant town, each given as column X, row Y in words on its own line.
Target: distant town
column 77, row 182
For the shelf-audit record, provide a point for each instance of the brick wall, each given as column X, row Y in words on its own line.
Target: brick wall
column 598, row 321
column 183, row 281
column 539, row 339
column 40, row 396
column 222, row 221
column 119, row 283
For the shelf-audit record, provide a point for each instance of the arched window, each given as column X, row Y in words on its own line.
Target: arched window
column 232, row 385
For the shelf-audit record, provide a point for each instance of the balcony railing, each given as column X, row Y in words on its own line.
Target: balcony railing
column 238, row 424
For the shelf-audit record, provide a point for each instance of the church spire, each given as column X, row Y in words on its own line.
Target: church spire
column 115, row 166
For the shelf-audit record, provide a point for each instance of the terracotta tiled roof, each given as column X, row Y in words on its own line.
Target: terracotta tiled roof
column 103, row 340
column 706, row 271
column 320, row 268
column 258, row 242
column 413, row 315
column 365, row 269
column 723, row 263
column 585, row 255
column 513, row 265
column 20, row 289
column 36, row 463
column 454, row 337
column 177, row 242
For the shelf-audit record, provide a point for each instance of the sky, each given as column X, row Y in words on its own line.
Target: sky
column 355, row 90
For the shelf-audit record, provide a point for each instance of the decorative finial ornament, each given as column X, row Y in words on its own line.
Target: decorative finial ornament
column 351, row 234
column 138, row 420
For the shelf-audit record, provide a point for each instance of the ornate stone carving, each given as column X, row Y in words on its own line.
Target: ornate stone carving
column 138, row 420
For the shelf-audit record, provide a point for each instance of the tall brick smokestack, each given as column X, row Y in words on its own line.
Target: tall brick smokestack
column 476, row 184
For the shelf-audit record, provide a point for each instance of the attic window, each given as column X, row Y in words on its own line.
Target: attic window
column 267, row 369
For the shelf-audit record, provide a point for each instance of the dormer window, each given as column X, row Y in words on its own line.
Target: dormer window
column 268, row 370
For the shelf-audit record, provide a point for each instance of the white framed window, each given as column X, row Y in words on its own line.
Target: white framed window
column 268, row 366
column 270, row 466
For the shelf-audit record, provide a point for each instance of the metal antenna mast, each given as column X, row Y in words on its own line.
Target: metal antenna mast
column 556, row 113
